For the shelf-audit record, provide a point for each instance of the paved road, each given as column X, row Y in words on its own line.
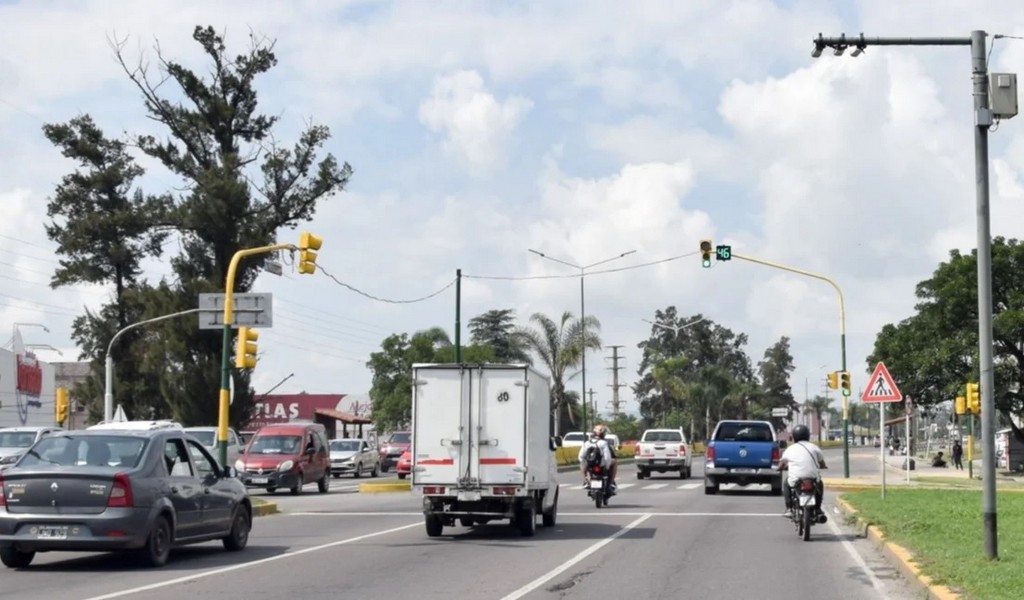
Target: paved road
column 660, row 539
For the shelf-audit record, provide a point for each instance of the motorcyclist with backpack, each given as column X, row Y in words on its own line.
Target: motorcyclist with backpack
column 607, row 457
column 802, row 460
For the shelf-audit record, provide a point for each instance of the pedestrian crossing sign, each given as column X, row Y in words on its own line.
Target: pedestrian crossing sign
column 881, row 387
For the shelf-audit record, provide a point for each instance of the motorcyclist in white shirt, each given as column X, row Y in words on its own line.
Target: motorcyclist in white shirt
column 607, row 459
column 802, row 460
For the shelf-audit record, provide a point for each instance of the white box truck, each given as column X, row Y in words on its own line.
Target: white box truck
column 481, row 446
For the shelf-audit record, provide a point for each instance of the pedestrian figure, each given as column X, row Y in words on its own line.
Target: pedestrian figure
column 958, row 455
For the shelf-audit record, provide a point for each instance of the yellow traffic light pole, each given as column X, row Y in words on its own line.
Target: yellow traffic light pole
column 308, row 265
column 842, row 340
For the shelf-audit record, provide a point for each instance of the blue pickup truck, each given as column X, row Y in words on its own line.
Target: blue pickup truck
column 742, row 452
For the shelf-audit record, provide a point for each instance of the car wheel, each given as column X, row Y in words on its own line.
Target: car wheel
column 297, row 488
column 158, row 545
column 526, row 520
column 682, row 473
column 401, row 475
column 434, row 525
column 241, row 524
column 14, row 558
column 376, row 470
column 324, row 485
column 549, row 517
column 271, row 490
column 640, row 474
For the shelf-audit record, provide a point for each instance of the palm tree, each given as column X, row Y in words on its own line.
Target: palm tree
column 559, row 346
column 819, row 405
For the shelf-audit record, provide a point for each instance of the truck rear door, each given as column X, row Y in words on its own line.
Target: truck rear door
column 499, row 425
column 440, row 425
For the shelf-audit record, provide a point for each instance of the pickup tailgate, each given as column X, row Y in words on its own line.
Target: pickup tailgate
column 736, row 455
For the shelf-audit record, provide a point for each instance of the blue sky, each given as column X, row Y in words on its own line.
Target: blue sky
column 580, row 129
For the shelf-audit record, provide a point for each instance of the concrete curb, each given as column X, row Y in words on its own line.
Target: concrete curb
column 384, row 487
column 900, row 557
column 262, row 510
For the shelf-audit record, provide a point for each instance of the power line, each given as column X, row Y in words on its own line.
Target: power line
column 372, row 297
column 577, row 275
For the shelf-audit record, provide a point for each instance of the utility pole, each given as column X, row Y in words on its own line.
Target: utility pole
column 615, row 385
column 985, row 116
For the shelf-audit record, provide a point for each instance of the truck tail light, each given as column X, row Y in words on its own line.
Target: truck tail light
column 682, row 449
column 709, row 454
column 433, row 489
column 3, row 494
column 776, row 455
column 505, row 491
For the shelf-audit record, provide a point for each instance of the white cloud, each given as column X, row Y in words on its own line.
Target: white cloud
column 476, row 125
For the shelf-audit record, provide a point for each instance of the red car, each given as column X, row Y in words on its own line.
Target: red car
column 392, row 448
column 404, row 465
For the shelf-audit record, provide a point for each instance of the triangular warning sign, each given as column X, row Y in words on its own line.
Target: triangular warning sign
column 881, row 387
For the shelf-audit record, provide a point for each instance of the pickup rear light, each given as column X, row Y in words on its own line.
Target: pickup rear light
column 3, row 494
column 776, row 455
column 709, row 454
column 682, row 449
column 120, row 492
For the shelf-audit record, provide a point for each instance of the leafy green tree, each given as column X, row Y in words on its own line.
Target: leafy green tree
column 391, row 384
column 239, row 188
column 935, row 352
column 497, row 328
column 775, row 391
column 104, row 227
column 559, row 346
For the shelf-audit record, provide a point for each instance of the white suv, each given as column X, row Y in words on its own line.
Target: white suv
column 15, row 441
column 663, row 450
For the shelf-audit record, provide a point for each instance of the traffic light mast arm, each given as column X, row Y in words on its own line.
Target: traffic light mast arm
column 842, row 340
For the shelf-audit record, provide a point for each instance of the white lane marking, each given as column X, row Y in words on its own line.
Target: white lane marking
column 204, row 574
column 623, row 486
column 536, row 583
column 351, row 514
column 654, row 486
column 610, row 513
column 690, row 486
column 857, row 558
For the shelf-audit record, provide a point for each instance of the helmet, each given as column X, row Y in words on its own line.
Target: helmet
column 600, row 431
column 801, row 433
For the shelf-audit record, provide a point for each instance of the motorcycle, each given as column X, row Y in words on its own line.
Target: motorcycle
column 805, row 511
column 599, row 487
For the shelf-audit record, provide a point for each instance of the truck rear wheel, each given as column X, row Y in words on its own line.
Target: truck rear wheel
column 552, row 514
column 434, row 525
column 711, row 489
column 526, row 520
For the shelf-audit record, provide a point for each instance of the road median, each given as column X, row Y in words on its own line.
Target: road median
column 384, row 487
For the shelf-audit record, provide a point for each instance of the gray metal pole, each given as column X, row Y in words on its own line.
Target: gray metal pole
column 982, row 121
column 583, row 356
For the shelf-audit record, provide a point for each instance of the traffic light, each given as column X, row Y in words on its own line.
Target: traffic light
column 960, row 405
column 245, row 352
column 705, row 253
column 845, row 375
column 61, row 406
column 973, row 398
column 833, row 380
column 308, row 243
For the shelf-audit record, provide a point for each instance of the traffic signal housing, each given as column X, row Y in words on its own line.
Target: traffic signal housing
column 61, row 406
column 845, row 377
column 308, row 245
column 973, row 398
column 245, row 352
column 833, row 380
column 705, row 253
column 960, row 405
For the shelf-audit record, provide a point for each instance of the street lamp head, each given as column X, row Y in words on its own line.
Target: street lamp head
column 819, row 46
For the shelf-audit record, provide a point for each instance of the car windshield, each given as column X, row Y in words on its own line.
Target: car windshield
column 86, row 451
column 17, row 439
column 400, row 438
column 275, row 444
column 206, row 438
column 344, row 446
column 663, row 436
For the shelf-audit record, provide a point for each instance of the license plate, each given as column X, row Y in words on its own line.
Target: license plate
column 661, row 462
column 52, row 533
column 596, row 485
column 743, row 470
column 260, row 479
column 807, row 501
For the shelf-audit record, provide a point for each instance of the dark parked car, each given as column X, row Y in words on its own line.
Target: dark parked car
column 140, row 486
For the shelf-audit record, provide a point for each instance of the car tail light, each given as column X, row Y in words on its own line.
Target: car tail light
column 776, row 455
column 682, row 449
column 433, row 489
column 121, row 492
column 806, row 485
column 3, row 494
column 709, row 454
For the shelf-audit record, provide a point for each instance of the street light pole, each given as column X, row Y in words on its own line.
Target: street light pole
column 983, row 119
column 108, row 386
column 583, row 321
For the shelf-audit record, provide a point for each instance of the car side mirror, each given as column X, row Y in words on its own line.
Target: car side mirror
column 555, row 442
column 230, row 472
column 310, row 450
